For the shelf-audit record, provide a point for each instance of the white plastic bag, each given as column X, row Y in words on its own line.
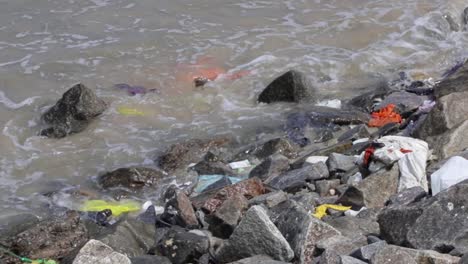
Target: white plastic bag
column 455, row 170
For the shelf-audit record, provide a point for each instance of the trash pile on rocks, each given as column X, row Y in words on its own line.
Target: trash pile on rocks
column 381, row 180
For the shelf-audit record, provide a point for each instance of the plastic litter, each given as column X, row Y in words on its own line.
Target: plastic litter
column 384, row 116
column 204, row 181
column 117, row 208
column 316, row 159
column 451, row 173
column 411, row 154
column 321, row 210
column 240, row 164
column 127, row 111
column 133, row 90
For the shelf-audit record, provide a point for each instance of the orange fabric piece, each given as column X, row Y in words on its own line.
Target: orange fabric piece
column 384, row 116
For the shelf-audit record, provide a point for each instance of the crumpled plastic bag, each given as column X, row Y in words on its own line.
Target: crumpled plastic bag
column 117, row 208
column 451, row 173
column 321, row 210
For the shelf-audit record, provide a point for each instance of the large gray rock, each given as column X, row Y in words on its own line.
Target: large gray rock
column 292, row 86
column 181, row 246
column 357, row 132
column 340, row 163
column 439, row 223
column 178, row 156
column 50, row 239
column 450, row 111
column 132, row 178
column 255, row 235
column 451, row 142
column 308, row 173
column 269, row 199
column 337, row 246
column 260, row 259
column 373, row 191
column 367, row 252
column 405, row 102
column 457, row 82
column 225, row 219
column 73, row 112
column 301, row 230
column 325, row 186
column 178, row 209
column 351, row 226
column 350, row 260
column 407, row 196
column 399, row 255
column 130, row 237
column 270, row 167
column 263, row 150
column 96, row 252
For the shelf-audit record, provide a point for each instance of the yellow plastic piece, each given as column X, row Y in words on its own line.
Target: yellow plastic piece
column 321, row 211
column 117, row 208
column 127, row 111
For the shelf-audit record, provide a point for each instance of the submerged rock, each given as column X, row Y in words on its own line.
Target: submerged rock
column 73, row 112
column 292, row 86
column 132, row 178
column 96, row 252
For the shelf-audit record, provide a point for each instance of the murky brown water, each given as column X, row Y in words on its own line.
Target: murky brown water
column 47, row 46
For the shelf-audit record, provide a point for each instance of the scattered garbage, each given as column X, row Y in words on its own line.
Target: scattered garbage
column 117, row 208
column 127, row 111
column 384, row 116
column 451, row 173
column 411, row 154
column 134, row 90
column 316, row 159
column 321, row 210
column 204, row 181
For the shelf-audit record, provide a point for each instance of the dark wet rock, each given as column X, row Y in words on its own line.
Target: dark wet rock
column 357, row 132
column 255, row 235
column 211, row 201
column 439, row 223
column 132, row 178
column 183, row 247
column 451, row 142
column 266, row 149
column 180, row 155
column 352, row 227
column 399, row 255
column 292, row 86
column 14, row 224
column 450, row 111
column 337, row 162
column 148, row 216
column 270, row 167
column 301, row 230
column 209, row 168
column 405, row 102
column 456, row 82
column 407, row 196
column 324, row 186
column 130, row 237
column 259, row 259
column 150, row 259
column 225, row 219
column 73, row 112
column 178, row 209
column 308, row 173
column 269, row 199
column 350, row 260
column 366, row 252
column 373, row 191
column 366, row 100
column 96, row 252
column 133, row 90
column 50, row 239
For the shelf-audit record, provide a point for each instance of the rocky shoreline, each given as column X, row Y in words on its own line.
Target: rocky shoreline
column 352, row 184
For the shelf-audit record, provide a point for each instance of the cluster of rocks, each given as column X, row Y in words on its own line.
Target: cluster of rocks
column 267, row 216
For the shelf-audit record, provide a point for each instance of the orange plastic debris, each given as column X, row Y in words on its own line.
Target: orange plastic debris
column 384, row 116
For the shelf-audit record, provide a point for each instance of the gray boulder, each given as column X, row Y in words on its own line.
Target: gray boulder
column 373, row 191
column 439, row 223
column 260, row 259
column 265, row 149
column 367, row 252
column 407, row 196
column 13, row 224
column 225, row 219
column 178, row 209
column 183, row 247
column 130, row 237
column 132, row 178
column 352, row 227
column 451, row 142
column 350, row 260
column 292, row 86
column 308, row 173
column 271, row 167
column 335, row 247
column 324, row 186
column 255, row 235
column 73, row 112
column 359, row 131
column 269, row 199
column 340, row 163
column 405, row 102
column 96, row 252
column 301, row 230
column 399, row 255
column 457, row 82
